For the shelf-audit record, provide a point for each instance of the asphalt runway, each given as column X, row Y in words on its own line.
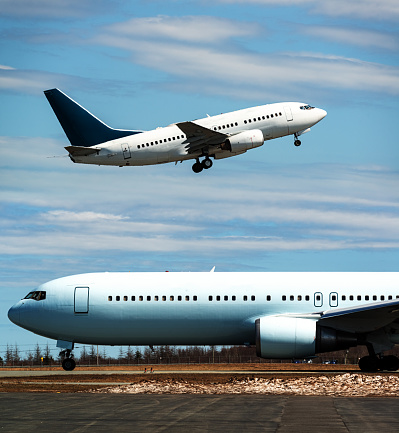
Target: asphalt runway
column 33, row 412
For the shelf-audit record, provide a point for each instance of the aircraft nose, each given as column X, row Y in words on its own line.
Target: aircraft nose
column 13, row 314
column 323, row 113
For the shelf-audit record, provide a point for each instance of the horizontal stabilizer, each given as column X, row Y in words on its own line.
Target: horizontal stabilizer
column 81, row 151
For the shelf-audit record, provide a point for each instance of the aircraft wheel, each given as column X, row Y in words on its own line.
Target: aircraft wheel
column 297, row 143
column 390, row 363
column 369, row 363
column 207, row 163
column 68, row 364
column 197, row 167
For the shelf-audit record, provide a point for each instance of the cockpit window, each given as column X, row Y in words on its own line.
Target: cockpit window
column 306, row 107
column 38, row 295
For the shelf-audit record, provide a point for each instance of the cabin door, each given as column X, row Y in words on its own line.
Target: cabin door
column 81, row 300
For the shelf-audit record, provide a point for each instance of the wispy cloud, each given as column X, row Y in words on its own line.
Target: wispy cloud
column 215, row 66
column 359, row 37
column 364, row 9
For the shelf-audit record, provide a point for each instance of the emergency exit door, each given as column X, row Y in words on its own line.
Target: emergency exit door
column 81, row 300
column 126, row 151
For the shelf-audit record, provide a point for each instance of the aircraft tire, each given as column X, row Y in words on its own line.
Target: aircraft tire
column 297, row 143
column 197, row 167
column 68, row 364
column 369, row 364
column 390, row 363
column 207, row 163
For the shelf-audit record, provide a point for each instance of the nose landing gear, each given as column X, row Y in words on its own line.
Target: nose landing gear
column 68, row 363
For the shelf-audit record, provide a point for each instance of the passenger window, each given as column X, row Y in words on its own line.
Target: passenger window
column 245, row 298
column 133, row 298
column 271, row 115
column 245, row 121
column 218, row 298
column 382, row 298
column 268, row 298
column 292, row 298
column 125, row 298
column 187, row 298
column 179, row 298
column 141, row 298
column 118, row 298
column 351, row 297
column 226, row 298
column 374, row 297
column 164, row 298
column 172, row 298
column 194, row 297
column 367, row 297
column 283, row 298
column 233, row 298
column 148, row 298
column 389, row 297
column 210, row 298
column 343, row 297
column 307, row 298
column 359, row 298
column 156, row 298
column 299, row 298
column 109, row 298
column 253, row 298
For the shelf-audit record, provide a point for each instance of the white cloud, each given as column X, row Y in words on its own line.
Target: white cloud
column 365, row 38
column 199, row 29
column 211, row 65
column 364, row 9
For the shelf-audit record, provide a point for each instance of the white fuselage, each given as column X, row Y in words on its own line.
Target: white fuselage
column 189, row 308
column 168, row 144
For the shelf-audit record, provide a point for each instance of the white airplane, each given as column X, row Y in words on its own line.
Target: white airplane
column 218, row 137
column 287, row 315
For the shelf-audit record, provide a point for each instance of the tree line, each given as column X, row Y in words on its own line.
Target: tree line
column 93, row 355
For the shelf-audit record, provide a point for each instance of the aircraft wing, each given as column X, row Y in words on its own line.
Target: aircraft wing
column 365, row 318
column 199, row 137
column 80, row 150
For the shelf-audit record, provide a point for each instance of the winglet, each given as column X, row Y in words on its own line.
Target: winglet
column 213, row 269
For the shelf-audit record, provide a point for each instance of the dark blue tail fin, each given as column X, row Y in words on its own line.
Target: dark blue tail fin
column 80, row 126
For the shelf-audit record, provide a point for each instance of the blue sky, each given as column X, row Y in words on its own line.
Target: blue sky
column 330, row 205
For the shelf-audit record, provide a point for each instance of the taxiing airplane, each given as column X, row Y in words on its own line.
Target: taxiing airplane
column 286, row 315
column 218, row 137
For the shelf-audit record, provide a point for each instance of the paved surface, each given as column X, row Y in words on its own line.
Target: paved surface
column 22, row 412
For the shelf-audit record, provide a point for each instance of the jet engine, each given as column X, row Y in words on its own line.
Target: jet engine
column 293, row 337
column 243, row 141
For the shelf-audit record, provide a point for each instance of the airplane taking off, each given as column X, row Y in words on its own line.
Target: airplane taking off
column 286, row 315
column 218, row 137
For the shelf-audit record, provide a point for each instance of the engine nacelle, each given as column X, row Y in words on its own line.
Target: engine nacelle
column 244, row 141
column 292, row 337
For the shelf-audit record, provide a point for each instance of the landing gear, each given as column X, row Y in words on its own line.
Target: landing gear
column 297, row 142
column 374, row 362
column 68, row 363
column 205, row 164
column 197, row 167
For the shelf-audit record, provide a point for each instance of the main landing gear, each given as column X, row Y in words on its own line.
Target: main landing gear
column 68, row 363
column 373, row 362
column 204, row 164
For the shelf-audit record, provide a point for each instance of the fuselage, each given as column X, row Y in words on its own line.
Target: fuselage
column 188, row 308
column 168, row 144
